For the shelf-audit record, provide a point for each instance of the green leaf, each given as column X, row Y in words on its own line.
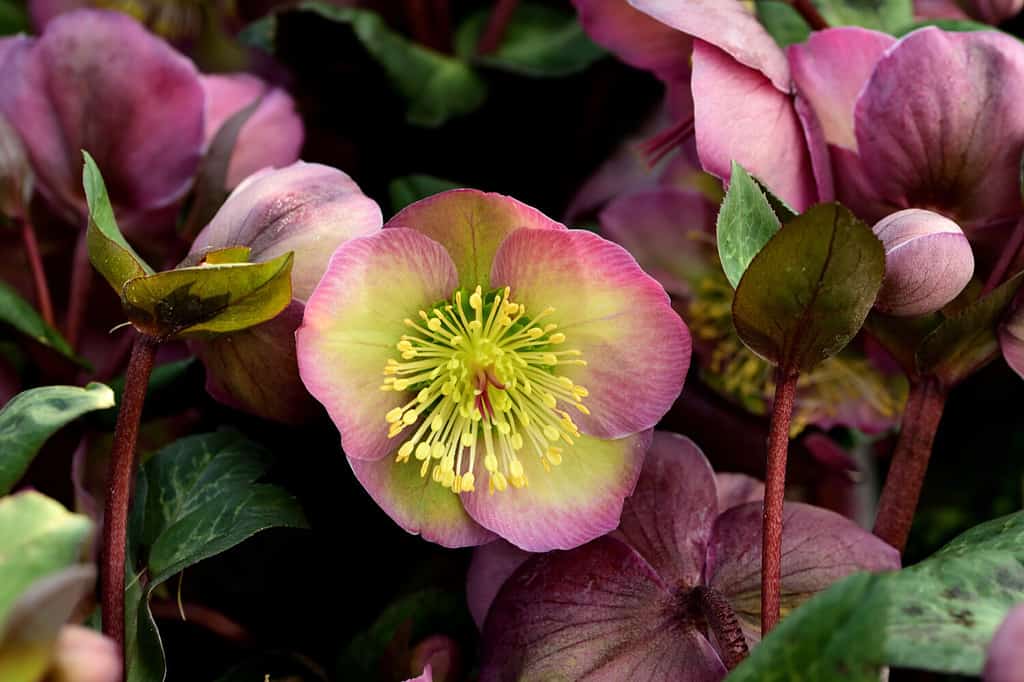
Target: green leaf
column 952, row 25
column 965, row 341
column 783, row 22
column 13, row 18
column 109, row 253
column 806, row 294
column 745, row 224
column 437, row 87
column 32, row 416
column 882, row 15
column 411, row 188
column 539, row 41
column 19, row 313
column 38, row 537
column 194, row 499
column 209, row 299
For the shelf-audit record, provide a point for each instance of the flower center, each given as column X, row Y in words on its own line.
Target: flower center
column 485, row 378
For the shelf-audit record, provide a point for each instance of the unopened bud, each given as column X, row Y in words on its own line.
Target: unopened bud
column 84, row 655
column 928, row 262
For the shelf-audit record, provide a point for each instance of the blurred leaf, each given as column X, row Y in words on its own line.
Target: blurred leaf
column 807, row 292
column 539, row 41
column 966, row 341
column 411, row 188
column 783, row 22
column 882, row 15
column 13, row 18
column 438, row 87
column 109, row 253
column 745, row 224
column 194, row 499
column 952, row 25
column 209, row 299
column 32, row 416
column 20, row 314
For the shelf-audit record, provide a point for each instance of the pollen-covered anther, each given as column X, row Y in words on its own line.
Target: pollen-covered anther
column 482, row 378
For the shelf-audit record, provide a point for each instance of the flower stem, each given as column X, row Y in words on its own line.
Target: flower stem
column 774, row 491
column 496, row 25
column 119, row 487
column 721, row 619
column 1006, row 258
column 810, row 14
column 35, row 262
column 903, row 484
column 203, row 616
column 78, row 292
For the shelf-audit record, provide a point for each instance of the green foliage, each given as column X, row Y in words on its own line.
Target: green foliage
column 952, row 25
column 783, row 22
column 746, row 222
column 194, row 499
column 19, row 313
column 32, row 416
column 411, row 188
column 882, row 15
column 13, row 18
column 806, row 294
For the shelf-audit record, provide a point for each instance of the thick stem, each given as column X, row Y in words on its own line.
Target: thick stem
column 119, row 487
column 810, row 14
column 903, row 484
column 721, row 619
column 774, row 491
column 78, row 292
column 496, row 25
column 1006, row 258
column 202, row 616
column 35, row 262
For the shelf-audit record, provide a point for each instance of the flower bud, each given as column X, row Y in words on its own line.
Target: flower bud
column 84, row 655
column 928, row 262
column 16, row 177
column 1005, row 662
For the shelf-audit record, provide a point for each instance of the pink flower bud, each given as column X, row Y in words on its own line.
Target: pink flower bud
column 84, row 655
column 928, row 262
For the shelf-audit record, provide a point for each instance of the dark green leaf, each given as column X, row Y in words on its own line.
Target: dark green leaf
column 19, row 313
column 32, row 416
column 209, row 299
column 539, row 41
column 882, row 15
column 261, row 34
column 806, row 294
column 952, row 25
column 109, row 253
column 194, row 499
column 745, row 224
column 437, row 87
column 411, row 188
column 964, row 342
column 783, row 22
column 13, row 18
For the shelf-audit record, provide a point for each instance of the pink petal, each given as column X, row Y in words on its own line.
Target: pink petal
column 471, row 225
column 938, row 9
column 1005, row 662
column 137, row 109
column 418, row 504
column 829, row 71
column 819, row 547
column 729, row 26
column 273, row 134
column 352, row 322
column 84, row 655
column 939, row 124
column 636, row 38
column 737, row 489
column 740, row 116
column 492, row 565
column 573, row 503
column 669, row 231
column 637, row 348
column 1011, row 340
column 669, row 516
column 306, row 208
column 597, row 613
column 426, row 676
column 43, row 11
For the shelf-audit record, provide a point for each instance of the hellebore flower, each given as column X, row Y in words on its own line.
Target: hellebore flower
column 631, row 605
column 306, row 208
column 520, row 365
column 928, row 262
column 1005, row 662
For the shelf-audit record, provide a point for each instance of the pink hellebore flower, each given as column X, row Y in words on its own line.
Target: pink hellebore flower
column 306, row 208
column 518, row 364
column 628, row 605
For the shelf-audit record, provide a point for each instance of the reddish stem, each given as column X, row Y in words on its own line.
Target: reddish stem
column 903, row 484
column 1006, row 258
column 722, row 621
column 810, row 14
column 203, row 616
column 78, row 292
column 119, row 487
column 774, row 491
column 496, row 25
column 35, row 262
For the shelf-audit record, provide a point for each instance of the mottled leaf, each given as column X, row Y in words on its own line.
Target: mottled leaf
column 19, row 313
column 746, row 222
column 808, row 291
column 783, row 22
column 209, row 299
column 411, row 188
column 882, row 15
column 32, row 416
